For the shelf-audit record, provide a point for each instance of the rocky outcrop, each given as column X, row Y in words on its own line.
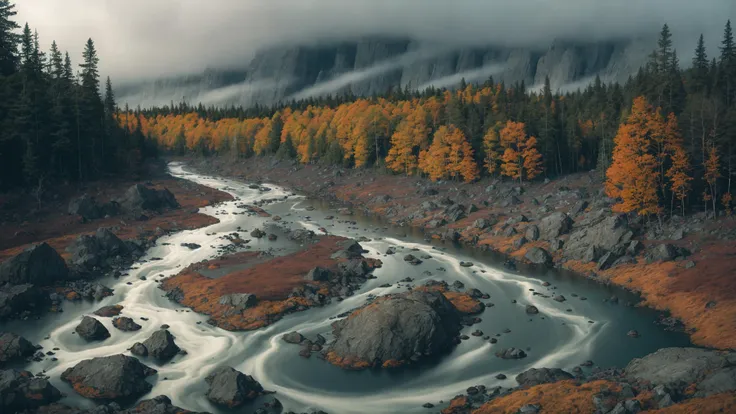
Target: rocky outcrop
column 161, row 345
column 157, row 405
column 14, row 348
column 20, row 390
column 539, row 376
column 231, row 388
column 554, row 226
column 101, row 250
column 18, row 300
column 139, row 198
column 39, row 265
column 109, row 378
column 92, row 330
column 604, row 234
column 395, row 330
column 679, row 367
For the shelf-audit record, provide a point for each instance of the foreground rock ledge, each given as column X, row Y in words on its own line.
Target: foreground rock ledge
column 109, row 378
column 395, row 330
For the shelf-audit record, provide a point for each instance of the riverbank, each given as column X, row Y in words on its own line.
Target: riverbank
column 683, row 267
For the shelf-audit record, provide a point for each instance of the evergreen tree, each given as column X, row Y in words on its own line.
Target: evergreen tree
column 9, row 40
column 700, row 67
column 91, row 110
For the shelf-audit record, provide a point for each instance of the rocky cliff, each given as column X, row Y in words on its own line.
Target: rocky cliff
column 375, row 65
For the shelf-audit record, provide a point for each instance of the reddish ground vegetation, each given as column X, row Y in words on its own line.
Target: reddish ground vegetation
column 720, row 403
column 53, row 225
column 270, row 280
column 558, row 397
column 665, row 286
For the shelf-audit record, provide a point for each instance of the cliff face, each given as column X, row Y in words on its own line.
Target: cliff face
column 375, row 65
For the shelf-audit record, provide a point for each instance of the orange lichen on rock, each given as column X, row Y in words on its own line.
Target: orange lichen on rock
column 458, row 405
column 464, row 303
column 558, row 397
column 347, row 362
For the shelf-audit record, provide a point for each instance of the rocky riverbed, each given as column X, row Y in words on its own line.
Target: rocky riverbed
column 430, row 319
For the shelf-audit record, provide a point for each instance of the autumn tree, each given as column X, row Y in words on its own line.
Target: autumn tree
column 410, row 135
column 711, row 176
column 450, row 155
column 491, row 151
column 520, row 159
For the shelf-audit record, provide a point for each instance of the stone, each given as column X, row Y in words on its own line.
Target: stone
column 532, row 232
column 554, row 225
column 238, row 301
column 395, row 329
column 18, row 299
column 231, row 388
column 125, row 324
column 318, row 274
column 38, row 265
column 91, row 329
column 293, row 338
column 720, row 381
column 257, row 233
column 539, row 256
column 90, row 251
column 14, row 348
column 666, row 252
column 600, row 236
column 109, row 378
column 578, row 208
column 21, row 391
column 511, row 353
column 676, row 366
column 85, row 207
column 540, row 376
column 531, row 310
column 161, row 345
column 521, row 241
column 139, row 349
column 139, row 198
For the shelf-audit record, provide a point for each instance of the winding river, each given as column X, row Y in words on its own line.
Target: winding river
column 564, row 335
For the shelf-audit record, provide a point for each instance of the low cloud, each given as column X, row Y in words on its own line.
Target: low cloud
column 140, row 39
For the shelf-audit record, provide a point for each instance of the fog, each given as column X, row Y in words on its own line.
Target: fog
column 140, row 39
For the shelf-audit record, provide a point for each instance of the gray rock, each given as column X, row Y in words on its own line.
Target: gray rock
column 511, row 353
column 554, row 225
column 676, row 366
column 538, row 256
column 578, row 208
column 539, row 376
column 238, row 301
column 403, row 327
column 293, row 338
column 607, row 261
column 125, row 324
column 719, row 381
column 139, row 198
column 318, row 274
column 161, row 345
column 16, row 299
column 38, row 265
column 521, row 241
column 139, row 349
column 20, row 391
column 14, row 348
column 530, row 409
column 666, row 252
column 532, row 232
column 231, row 388
column 88, row 252
column 603, row 236
column 454, row 213
column 91, row 329
column 531, row 310
column 85, row 207
column 109, row 378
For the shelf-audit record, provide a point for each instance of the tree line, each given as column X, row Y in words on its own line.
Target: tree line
column 666, row 138
column 54, row 123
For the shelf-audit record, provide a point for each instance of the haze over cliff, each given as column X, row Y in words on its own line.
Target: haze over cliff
column 245, row 52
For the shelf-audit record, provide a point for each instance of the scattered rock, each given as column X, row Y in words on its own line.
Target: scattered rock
column 539, row 376
column 91, row 329
column 318, row 274
column 531, row 310
column 511, row 353
column 231, row 388
column 161, row 345
column 554, row 226
column 125, row 324
column 38, row 265
column 20, row 391
column 537, row 255
column 293, row 338
column 14, row 348
column 238, row 301
column 109, row 378
column 139, row 198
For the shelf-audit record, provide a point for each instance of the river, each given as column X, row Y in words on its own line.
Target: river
column 593, row 330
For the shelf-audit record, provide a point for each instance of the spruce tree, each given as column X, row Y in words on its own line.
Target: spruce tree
column 700, row 66
column 9, row 40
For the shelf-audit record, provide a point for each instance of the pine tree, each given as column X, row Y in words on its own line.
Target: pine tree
column 700, row 66
column 9, row 40
column 91, row 109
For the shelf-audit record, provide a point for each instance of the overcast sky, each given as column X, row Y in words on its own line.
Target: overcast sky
column 150, row 38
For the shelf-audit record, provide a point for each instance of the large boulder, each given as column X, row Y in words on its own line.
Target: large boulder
column 539, row 376
column 539, row 256
column 38, row 265
column 157, row 405
column 161, row 345
column 19, row 299
column 139, row 198
column 554, row 226
column 109, row 378
column 678, row 367
column 14, row 348
column 238, row 301
column 717, row 382
column 20, row 391
column 92, row 330
column 231, row 388
column 90, row 251
column 85, row 207
column 394, row 330
column 612, row 233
